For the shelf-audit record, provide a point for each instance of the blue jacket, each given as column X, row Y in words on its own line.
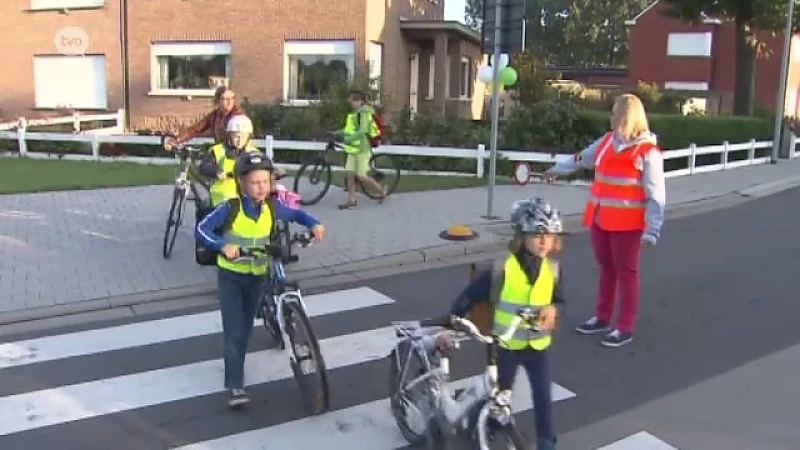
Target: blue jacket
column 205, row 230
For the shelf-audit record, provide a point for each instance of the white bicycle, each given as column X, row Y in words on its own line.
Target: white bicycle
column 429, row 411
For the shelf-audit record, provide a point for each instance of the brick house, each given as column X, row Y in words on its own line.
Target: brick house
column 700, row 58
column 178, row 51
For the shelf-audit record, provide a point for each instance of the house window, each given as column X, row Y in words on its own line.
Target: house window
column 189, row 68
column 66, row 4
column 70, row 82
column 466, row 78
column 431, row 75
column 311, row 68
column 375, row 65
column 689, row 44
column 686, row 85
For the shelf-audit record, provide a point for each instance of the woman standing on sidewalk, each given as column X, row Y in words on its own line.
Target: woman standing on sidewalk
column 624, row 212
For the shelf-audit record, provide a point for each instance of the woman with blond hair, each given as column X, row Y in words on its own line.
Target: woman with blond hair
column 624, row 212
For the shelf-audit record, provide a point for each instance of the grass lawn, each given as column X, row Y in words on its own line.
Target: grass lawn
column 21, row 175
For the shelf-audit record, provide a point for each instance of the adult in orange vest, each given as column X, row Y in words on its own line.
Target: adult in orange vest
column 624, row 212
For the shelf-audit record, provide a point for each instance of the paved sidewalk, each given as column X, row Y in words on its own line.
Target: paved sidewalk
column 81, row 250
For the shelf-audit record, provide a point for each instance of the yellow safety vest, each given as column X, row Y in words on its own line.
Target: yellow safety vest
column 222, row 190
column 351, row 125
column 246, row 232
column 518, row 293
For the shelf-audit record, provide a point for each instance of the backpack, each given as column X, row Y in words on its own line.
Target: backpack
column 376, row 129
column 206, row 256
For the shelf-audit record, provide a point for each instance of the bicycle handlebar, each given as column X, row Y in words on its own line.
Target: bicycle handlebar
column 279, row 251
column 523, row 315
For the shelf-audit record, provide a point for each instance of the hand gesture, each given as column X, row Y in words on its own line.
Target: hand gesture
column 548, row 317
column 230, row 251
column 319, row 232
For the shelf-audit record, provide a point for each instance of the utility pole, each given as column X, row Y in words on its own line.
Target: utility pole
column 779, row 104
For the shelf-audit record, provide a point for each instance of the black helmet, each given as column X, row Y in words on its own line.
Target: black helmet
column 249, row 161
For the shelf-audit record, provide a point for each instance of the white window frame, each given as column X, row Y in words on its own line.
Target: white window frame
column 431, row 76
column 689, row 44
column 686, row 85
column 48, row 78
column 186, row 49
column 53, row 5
column 314, row 47
column 375, row 64
column 466, row 78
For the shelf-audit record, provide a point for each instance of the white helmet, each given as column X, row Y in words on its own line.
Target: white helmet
column 239, row 124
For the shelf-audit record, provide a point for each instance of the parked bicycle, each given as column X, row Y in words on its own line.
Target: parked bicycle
column 186, row 188
column 285, row 318
column 429, row 411
column 383, row 168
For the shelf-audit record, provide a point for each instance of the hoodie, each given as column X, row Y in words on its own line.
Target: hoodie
column 652, row 167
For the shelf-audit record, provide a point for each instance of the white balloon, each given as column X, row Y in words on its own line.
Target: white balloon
column 504, row 59
column 485, row 74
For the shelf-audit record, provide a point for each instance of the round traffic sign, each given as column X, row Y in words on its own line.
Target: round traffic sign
column 522, row 173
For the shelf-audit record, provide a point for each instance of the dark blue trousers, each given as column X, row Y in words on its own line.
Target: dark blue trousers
column 537, row 367
column 239, row 297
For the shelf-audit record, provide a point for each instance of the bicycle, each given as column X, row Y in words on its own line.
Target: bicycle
column 478, row 416
column 285, row 318
column 186, row 180
column 318, row 169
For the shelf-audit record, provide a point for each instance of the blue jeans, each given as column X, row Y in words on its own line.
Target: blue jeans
column 537, row 367
column 239, row 297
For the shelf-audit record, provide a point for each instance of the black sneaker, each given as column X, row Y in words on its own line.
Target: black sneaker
column 617, row 338
column 592, row 326
column 238, row 398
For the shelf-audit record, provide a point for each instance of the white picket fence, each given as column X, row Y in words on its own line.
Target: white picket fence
column 75, row 119
column 745, row 152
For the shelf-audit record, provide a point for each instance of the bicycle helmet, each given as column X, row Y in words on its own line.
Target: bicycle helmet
column 535, row 216
column 239, row 124
column 250, row 161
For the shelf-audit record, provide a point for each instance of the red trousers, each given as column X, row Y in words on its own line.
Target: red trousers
column 617, row 254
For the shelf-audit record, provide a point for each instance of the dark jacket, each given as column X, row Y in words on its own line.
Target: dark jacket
column 212, row 124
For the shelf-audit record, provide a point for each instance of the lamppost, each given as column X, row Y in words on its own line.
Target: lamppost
column 779, row 103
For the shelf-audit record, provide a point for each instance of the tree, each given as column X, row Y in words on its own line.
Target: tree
column 473, row 14
column 749, row 17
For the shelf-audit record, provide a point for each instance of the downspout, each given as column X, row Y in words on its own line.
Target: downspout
column 123, row 36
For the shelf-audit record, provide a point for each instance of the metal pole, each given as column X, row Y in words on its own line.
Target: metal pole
column 779, row 104
column 495, row 112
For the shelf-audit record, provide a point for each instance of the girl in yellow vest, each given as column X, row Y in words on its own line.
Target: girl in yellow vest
column 247, row 220
column 527, row 277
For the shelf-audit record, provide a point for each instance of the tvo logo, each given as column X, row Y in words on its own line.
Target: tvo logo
column 71, row 41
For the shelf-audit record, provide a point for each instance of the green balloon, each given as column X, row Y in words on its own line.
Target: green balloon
column 508, row 76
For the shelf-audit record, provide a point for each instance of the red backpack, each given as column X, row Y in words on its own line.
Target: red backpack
column 378, row 139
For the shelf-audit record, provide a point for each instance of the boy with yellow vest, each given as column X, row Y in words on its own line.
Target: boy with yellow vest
column 528, row 277
column 246, row 220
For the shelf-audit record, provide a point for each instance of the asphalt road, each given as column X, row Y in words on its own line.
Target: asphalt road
column 719, row 291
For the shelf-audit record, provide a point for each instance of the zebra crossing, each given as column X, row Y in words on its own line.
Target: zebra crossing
column 155, row 376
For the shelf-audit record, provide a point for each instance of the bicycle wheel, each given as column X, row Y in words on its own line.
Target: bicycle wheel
column 173, row 221
column 409, row 415
column 305, row 349
column 267, row 310
column 384, row 169
column 492, row 435
column 318, row 173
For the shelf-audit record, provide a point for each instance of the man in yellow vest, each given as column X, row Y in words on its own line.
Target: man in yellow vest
column 359, row 128
column 221, row 157
column 527, row 277
column 247, row 220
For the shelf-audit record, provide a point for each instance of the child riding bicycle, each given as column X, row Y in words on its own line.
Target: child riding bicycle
column 528, row 277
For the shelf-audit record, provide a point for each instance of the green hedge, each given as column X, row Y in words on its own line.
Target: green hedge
column 554, row 126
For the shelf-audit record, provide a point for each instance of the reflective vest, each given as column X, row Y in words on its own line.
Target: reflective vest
column 518, row 293
column 352, row 124
column 222, row 190
column 246, row 232
column 617, row 199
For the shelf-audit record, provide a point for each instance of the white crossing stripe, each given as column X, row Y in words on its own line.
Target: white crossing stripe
column 54, row 406
column 639, row 441
column 368, row 426
column 101, row 340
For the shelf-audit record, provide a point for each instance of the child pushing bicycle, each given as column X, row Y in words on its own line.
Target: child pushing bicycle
column 528, row 277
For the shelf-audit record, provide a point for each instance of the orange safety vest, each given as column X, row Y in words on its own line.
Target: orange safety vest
column 617, row 200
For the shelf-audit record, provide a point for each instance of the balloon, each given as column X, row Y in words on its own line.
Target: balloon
column 485, row 74
column 508, row 76
column 503, row 60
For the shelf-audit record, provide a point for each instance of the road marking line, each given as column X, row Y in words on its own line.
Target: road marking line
column 368, row 426
column 639, row 441
column 101, row 340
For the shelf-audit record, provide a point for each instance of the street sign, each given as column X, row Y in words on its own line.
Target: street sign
column 512, row 26
column 522, row 173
